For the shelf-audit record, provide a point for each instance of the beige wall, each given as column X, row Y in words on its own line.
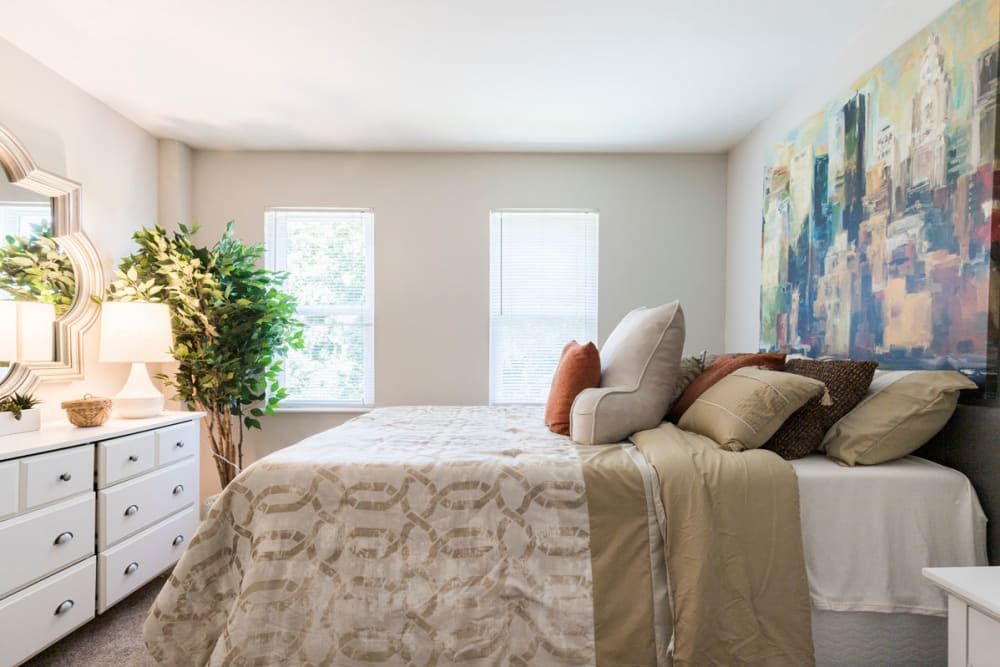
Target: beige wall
column 661, row 238
column 173, row 183
column 880, row 36
column 70, row 133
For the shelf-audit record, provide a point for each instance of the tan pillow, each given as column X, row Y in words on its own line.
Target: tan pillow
column 639, row 364
column 720, row 367
column 746, row 407
column 901, row 412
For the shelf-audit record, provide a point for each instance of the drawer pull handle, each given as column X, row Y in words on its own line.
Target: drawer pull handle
column 133, row 458
column 179, row 489
column 65, row 477
column 63, row 538
column 131, row 567
column 63, row 607
column 131, row 509
column 179, row 540
column 179, row 444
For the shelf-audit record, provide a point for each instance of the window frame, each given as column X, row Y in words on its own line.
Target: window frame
column 273, row 262
column 495, row 261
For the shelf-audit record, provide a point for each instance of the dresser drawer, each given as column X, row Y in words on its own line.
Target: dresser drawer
column 47, row 478
column 8, row 488
column 38, row 543
column 42, row 614
column 125, row 567
column 123, row 458
column 127, row 508
column 174, row 443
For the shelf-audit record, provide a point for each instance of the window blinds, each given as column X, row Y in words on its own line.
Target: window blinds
column 24, row 218
column 543, row 293
column 328, row 256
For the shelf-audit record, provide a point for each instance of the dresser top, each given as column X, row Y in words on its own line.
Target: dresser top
column 977, row 586
column 59, row 433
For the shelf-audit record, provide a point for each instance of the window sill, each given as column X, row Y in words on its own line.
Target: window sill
column 346, row 409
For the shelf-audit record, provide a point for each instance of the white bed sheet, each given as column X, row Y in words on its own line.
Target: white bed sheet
column 868, row 530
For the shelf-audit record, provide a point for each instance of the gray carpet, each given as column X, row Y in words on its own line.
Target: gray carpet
column 112, row 639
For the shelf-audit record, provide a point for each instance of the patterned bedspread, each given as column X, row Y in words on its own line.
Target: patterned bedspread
column 474, row 536
column 427, row 535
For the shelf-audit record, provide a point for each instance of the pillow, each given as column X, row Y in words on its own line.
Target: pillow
column 691, row 367
column 579, row 368
column 722, row 366
column 746, row 407
column 639, row 361
column 901, row 411
column 847, row 381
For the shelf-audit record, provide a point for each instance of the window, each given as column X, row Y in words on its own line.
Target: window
column 24, row 218
column 328, row 255
column 543, row 293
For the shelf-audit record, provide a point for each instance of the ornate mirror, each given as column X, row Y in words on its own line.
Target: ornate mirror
column 44, row 257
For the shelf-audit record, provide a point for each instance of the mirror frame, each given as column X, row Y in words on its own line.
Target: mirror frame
column 87, row 268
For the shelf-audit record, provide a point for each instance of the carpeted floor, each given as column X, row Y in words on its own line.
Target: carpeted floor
column 112, row 639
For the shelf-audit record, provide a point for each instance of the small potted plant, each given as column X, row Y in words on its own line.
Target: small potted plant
column 18, row 414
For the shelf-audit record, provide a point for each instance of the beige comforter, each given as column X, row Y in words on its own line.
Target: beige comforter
column 734, row 552
column 473, row 536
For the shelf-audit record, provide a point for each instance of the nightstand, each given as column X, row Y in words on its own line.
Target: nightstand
column 973, row 613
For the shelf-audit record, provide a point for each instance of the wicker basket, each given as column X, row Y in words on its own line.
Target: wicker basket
column 88, row 411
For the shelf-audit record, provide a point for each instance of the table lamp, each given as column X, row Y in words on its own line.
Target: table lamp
column 137, row 333
column 26, row 331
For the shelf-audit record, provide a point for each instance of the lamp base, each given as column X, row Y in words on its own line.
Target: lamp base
column 139, row 398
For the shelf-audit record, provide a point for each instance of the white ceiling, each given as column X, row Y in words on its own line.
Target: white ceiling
column 587, row 75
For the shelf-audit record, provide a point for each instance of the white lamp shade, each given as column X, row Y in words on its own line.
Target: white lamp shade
column 26, row 331
column 135, row 332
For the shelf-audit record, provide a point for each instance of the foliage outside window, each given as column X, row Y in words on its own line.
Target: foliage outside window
column 327, row 256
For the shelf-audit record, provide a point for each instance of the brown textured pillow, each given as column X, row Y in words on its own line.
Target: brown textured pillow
column 847, row 381
column 722, row 366
column 579, row 368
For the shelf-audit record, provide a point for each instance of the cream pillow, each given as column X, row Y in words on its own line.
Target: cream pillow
column 901, row 412
column 639, row 367
column 745, row 408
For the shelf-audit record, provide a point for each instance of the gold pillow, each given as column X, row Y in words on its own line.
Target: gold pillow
column 745, row 408
column 901, row 411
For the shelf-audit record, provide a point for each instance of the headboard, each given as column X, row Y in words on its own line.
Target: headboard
column 970, row 443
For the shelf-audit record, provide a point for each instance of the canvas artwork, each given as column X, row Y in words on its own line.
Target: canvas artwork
column 881, row 234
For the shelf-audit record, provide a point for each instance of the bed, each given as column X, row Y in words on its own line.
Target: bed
column 271, row 560
column 867, row 532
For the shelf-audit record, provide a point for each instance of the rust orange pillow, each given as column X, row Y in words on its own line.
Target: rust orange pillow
column 722, row 366
column 579, row 368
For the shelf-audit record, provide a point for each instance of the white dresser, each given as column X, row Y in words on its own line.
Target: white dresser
column 973, row 613
column 87, row 516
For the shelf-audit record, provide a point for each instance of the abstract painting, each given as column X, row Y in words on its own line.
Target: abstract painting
column 881, row 228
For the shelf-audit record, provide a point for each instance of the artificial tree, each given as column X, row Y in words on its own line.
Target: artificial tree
column 232, row 325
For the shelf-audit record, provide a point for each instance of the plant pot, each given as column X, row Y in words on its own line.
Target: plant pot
column 31, row 420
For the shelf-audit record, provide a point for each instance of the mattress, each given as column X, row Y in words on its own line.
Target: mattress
column 871, row 639
column 867, row 532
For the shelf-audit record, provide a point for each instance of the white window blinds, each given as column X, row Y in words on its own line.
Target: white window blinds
column 24, row 218
column 543, row 293
column 328, row 255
